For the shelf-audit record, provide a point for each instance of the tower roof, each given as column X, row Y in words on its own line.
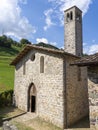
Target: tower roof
column 73, row 7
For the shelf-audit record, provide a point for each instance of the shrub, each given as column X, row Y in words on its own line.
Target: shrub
column 6, row 98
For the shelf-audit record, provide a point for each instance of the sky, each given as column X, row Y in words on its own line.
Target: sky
column 43, row 21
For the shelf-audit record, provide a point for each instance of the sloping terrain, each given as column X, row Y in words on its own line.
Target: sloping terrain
column 7, row 71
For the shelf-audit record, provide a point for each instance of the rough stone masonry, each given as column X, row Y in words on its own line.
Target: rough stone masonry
column 46, row 83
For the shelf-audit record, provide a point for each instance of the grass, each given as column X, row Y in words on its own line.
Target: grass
column 39, row 124
column 21, row 126
column 35, row 124
column 9, row 51
column 6, row 74
column 7, row 71
column 8, row 112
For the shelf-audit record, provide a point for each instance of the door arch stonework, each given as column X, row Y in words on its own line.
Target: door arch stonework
column 31, row 98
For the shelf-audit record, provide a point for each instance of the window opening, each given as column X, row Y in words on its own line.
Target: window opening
column 71, row 15
column 41, row 64
column 68, row 18
column 78, row 17
column 33, row 57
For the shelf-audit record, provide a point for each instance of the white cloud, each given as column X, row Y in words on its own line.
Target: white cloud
column 85, row 48
column 93, row 49
column 82, row 4
column 84, row 44
column 60, row 5
column 53, row 43
column 48, row 20
column 90, row 49
column 11, row 21
column 44, row 40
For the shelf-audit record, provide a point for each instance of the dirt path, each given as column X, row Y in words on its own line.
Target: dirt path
column 24, row 118
column 32, row 121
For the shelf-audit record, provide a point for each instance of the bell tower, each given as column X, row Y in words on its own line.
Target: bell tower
column 73, row 31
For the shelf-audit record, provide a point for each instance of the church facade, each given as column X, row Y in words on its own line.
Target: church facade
column 45, row 81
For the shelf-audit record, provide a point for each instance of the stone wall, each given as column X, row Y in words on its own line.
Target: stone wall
column 77, row 92
column 73, row 31
column 8, row 126
column 93, row 74
column 49, row 85
column 93, row 94
column 60, row 97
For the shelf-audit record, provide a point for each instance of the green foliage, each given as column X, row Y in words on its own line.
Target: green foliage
column 85, row 55
column 5, row 42
column 24, row 41
column 8, row 51
column 7, row 71
column 46, row 45
column 6, row 98
column 8, row 42
column 6, row 74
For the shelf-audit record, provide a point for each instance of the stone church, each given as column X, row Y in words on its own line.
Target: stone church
column 47, row 83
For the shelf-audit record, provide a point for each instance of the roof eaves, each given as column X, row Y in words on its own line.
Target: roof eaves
column 30, row 47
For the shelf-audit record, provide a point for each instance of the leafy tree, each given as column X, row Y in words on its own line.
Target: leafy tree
column 8, row 42
column 5, row 41
column 46, row 45
column 24, row 41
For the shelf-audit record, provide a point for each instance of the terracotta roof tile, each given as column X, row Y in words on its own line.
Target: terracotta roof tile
column 87, row 60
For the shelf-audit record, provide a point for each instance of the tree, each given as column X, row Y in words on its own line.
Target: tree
column 5, row 41
column 24, row 41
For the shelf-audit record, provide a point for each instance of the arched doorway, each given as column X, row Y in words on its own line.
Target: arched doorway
column 32, row 98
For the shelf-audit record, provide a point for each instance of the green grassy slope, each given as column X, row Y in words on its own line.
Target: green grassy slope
column 7, row 71
column 6, row 74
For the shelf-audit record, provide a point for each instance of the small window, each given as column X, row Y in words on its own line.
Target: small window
column 67, row 17
column 24, row 68
column 71, row 15
column 78, row 17
column 79, row 73
column 41, row 64
column 33, row 57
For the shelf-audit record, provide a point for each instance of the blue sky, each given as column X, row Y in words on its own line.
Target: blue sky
column 42, row 20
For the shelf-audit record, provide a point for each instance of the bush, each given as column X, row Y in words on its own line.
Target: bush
column 6, row 98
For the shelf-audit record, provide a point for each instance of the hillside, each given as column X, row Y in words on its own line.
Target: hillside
column 46, row 45
column 7, row 71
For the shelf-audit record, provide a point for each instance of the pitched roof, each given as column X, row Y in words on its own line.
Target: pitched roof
column 90, row 60
column 34, row 47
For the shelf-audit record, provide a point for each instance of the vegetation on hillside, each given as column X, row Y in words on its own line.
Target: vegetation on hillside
column 6, row 73
column 6, row 98
column 46, row 45
column 9, row 48
column 9, row 42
